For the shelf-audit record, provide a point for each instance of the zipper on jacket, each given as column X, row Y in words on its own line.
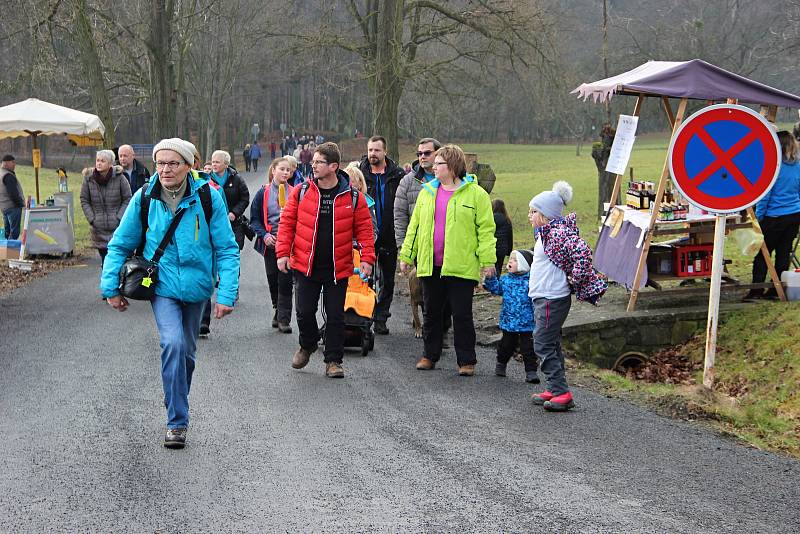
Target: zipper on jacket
column 333, row 233
column 316, row 225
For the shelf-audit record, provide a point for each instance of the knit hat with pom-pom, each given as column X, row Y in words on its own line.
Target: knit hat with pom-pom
column 551, row 203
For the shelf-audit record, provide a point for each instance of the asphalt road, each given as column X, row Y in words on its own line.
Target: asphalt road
column 387, row 448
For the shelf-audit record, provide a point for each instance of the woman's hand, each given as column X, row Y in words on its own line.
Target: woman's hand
column 269, row 240
column 489, row 272
column 231, row 217
column 404, row 267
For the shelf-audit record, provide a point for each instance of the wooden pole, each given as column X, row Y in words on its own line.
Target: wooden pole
column 637, row 109
column 713, row 301
column 662, row 185
column 36, row 169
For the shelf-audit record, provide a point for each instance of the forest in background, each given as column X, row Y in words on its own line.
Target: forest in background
column 467, row 70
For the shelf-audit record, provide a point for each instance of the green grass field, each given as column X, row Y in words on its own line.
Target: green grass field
column 48, row 184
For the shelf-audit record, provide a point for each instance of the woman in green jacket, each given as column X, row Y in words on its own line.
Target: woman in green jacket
column 451, row 240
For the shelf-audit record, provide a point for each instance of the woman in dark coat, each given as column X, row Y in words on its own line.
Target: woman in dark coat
column 105, row 194
column 504, row 233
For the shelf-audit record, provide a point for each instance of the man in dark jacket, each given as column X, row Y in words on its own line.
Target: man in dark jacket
column 383, row 176
column 237, row 199
column 11, row 198
column 136, row 173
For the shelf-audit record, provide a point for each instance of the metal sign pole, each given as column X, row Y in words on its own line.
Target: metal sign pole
column 713, row 301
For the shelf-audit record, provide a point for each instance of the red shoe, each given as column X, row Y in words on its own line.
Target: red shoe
column 540, row 398
column 561, row 403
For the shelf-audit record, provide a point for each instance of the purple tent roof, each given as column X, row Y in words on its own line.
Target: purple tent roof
column 693, row 79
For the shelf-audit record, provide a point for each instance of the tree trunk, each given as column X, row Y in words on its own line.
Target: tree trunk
column 388, row 82
column 159, row 49
column 92, row 69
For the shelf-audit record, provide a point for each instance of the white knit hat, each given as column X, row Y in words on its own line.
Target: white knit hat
column 178, row 145
column 551, row 203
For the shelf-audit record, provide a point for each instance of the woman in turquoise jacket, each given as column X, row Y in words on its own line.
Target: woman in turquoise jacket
column 778, row 213
column 187, row 271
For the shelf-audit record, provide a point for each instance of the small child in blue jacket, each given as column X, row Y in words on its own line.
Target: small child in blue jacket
column 516, row 314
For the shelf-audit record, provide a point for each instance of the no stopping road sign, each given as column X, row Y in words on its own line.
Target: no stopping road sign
column 724, row 158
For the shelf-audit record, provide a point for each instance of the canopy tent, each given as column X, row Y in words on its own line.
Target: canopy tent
column 685, row 80
column 35, row 117
column 695, row 79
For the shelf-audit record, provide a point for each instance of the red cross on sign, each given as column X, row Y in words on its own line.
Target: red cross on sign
column 724, row 158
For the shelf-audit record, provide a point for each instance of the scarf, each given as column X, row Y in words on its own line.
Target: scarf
column 100, row 178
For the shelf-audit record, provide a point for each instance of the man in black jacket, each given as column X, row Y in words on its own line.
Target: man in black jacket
column 136, row 173
column 237, row 198
column 383, row 176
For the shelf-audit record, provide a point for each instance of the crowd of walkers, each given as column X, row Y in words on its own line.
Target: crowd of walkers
column 432, row 221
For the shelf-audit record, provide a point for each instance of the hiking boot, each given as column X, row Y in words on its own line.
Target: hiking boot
column 500, row 369
column 381, row 328
column 334, row 370
column 561, row 403
column 540, row 398
column 300, row 358
column 284, row 328
column 175, row 438
column 424, row 364
column 204, row 331
column 275, row 320
column 466, row 370
column 532, row 377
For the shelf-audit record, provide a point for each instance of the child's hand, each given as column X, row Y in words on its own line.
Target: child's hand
column 489, row 272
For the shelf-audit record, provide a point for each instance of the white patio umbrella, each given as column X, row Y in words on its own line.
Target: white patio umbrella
column 36, row 117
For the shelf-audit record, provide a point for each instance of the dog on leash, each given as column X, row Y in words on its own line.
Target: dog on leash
column 415, row 294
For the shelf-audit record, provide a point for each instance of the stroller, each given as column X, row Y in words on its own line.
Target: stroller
column 359, row 306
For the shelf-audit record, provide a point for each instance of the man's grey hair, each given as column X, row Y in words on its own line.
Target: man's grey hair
column 107, row 155
column 225, row 156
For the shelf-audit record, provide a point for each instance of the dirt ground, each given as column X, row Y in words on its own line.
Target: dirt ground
column 11, row 279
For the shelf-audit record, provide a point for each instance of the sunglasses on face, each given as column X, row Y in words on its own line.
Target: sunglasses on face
column 425, row 153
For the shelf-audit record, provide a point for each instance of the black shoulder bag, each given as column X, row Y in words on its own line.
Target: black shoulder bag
column 138, row 276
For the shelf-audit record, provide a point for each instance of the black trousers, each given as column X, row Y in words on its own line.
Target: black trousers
column 779, row 235
column 307, row 292
column 436, row 291
column 387, row 263
column 508, row 345
column 280, row 287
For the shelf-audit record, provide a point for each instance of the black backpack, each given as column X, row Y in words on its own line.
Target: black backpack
column 204, row 192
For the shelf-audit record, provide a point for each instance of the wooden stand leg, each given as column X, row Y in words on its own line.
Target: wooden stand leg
column 662, row 185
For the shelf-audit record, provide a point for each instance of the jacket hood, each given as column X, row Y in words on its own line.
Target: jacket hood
column 469, row 180
column 195, row 179
column 342, row 185
column 568, row 224
column 393, row 170
column 87, row 172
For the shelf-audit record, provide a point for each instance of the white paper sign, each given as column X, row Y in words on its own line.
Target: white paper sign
column 623, row 144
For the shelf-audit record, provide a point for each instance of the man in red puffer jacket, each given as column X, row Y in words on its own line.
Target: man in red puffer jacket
column 321, row 220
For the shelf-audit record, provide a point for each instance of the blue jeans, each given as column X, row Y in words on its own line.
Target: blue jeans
column 11, row 222
column 178, row 326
